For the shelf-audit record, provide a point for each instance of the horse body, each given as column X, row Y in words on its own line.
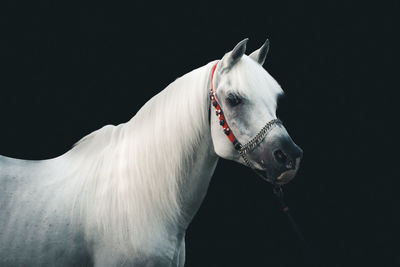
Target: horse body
column 53, row 211
column 124, row 195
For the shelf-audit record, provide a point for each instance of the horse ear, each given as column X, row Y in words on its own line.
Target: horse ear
column 260, row 54
column 231, row 58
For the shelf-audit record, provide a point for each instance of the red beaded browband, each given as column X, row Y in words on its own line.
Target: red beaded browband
column 220, row 114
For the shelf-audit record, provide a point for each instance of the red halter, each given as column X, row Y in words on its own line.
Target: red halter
column 220, row 114
column 243, row 149
column 250, row 145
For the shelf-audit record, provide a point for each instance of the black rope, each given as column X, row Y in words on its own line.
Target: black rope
column 309, row 256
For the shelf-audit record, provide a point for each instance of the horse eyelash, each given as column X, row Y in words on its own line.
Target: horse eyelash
column 235, row 96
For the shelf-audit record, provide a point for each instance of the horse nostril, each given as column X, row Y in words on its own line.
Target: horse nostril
column 280, row 156
column 290, row 165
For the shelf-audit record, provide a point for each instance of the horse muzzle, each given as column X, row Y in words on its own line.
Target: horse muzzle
column 280, row 156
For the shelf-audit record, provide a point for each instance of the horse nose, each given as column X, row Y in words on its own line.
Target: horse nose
column 287, row 157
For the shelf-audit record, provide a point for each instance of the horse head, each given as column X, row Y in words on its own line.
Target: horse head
column 247, row 97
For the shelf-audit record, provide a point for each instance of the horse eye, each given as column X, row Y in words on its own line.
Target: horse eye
column 233, row 100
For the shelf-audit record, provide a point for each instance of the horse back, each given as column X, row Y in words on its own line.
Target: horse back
column 35, row 223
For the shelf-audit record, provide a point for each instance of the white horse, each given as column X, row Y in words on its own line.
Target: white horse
column 124, row 195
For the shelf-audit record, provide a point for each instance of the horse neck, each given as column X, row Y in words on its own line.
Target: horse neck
column 150, row 173
column 187, row 99
column 195, row 183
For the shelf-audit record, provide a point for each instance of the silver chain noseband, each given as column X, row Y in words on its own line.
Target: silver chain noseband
column 249, row 146
column 254, row 142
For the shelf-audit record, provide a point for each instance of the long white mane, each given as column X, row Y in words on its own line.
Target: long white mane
column 129, row 174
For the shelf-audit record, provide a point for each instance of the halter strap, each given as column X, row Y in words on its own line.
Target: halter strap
column 250, row 145
column 220, row 114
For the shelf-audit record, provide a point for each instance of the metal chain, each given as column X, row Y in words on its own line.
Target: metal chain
column 249, row 146
column 251, row 166
column 259, row 137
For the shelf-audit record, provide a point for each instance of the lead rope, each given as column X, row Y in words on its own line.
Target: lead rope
column 309, row 256
column 277, row 189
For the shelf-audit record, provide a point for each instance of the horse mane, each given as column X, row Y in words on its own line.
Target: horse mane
column 129, row 175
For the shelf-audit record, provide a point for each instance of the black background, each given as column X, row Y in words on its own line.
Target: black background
column 67, row 70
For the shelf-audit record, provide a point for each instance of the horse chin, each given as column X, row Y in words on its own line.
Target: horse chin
column 286, row 177
column 289, row 175
column 275, row 173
